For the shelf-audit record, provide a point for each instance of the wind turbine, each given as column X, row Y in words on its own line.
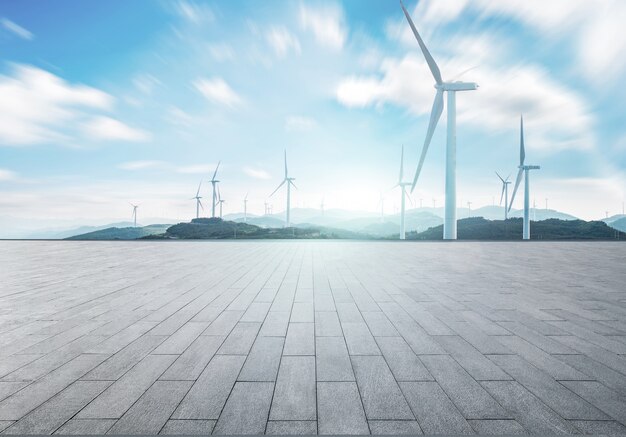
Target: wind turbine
column 469, row 209
column 214, row 182
column 245, row 209
column 289, row 182
column 449, row 223
column 135, row 214
column 220, row 200
column 505, row 194
column 523, row 169
column 198, row 202
column 402, row 186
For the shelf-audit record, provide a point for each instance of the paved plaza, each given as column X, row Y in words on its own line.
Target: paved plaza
column 306, row 337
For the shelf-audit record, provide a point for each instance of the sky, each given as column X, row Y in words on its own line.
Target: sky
column 107, row 103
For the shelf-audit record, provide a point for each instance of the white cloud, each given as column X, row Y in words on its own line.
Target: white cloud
column 106, row 128
column 196, row 169
column 327, row 24
column 140, row 165
column 16, row 29
column 299, row 123
column 194, row 12
column 282, row 41
column 256, row 173
column 218, row 91
column 7, row 175
column 36, row 105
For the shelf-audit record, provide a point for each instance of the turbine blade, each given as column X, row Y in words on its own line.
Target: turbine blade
column 294, row 185
column 517, row 181
column 522, row 151
column 286, row 164
column 201, row 205
column 401, row 166
column 215, row 173
column 434, row 119
column 429, row 59
column 219, row 196
column 278, row 187
column 502, row 195
column 500, row 177
column 199, row 185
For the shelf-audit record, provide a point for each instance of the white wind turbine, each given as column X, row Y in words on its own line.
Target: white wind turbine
column 449, row 223
column 289, row 182
column 135, row 214
column 214, row 183
column 220, row 200
column 198, row 202
column 505, row 194
column 523, row 169
column 403, row 193
column 245, row 209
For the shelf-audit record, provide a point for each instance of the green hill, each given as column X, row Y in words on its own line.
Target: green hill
column 131, row 233
column 478, row 228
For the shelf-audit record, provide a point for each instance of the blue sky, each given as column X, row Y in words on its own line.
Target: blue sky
column 105, row 103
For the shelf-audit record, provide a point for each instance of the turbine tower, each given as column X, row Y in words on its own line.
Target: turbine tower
column 220, row 200
column 449, row 223
column 214, row 183
column 289, row 182
column 403, row 193
column 523, row 169
column 245, row 209
column 134, row 214
column 505, row 194
column 198, row 202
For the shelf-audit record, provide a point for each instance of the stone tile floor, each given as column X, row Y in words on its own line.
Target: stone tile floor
column 312, row 337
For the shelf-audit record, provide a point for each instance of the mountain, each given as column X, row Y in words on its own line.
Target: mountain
column 618, row 223
column 125, row 233
column 478, row 228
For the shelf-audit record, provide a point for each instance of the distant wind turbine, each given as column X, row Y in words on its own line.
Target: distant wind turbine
column 289, row 181
column 469, row 209
column 198, row 201
column 403, row 193
column 245, row 209
column 135, row 214
column 220, row 200
column 214, row 183
column 505, row 194
column 449, row 223
column 524, row 170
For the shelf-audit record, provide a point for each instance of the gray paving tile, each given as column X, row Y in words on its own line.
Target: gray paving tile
column 209, row 393
column 602, row 397
column 294, row 397
column 263, row 361
column 327, row 324
column 470, row 398
column 300, row 339
column 433, row 409
column 123, row 393
column 402, row 361
column 553, row 394
column 153, row 409
column 486, row 344
column 247, row 409
column 348, row 312
column 381, row 396
column 602, row 427
column 379, row 325
column 192, row 362
column 597, row 371
column 302, row 312
column 7, row 388
column 543, row 342
column 14, row 362
column 275, row 324
column 497, row 427
column 474, row 363
column 256, row 312
column 181, row 339
column 527, row 409
column 188, row 427
column 58, row 410
column 609, row 359
column 86, row 426
column 339, row 409
column 359, row 339
column 291, row 427
column 5, row 424
column 240, row 339
column 332, row 360
column 224, row 323
column 394, row 427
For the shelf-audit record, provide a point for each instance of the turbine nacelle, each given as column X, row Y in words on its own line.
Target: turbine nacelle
column 457, row 86
column 529, row 167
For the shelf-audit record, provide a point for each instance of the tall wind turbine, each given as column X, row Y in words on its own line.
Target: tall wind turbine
column 523, row 169
column 214, row 182
column 505, row 194
column 135, row 214
column 220, row 200
column 403, row 193
column 449, row 223
column 198, row 202
column 245, row 209
column 289, row 182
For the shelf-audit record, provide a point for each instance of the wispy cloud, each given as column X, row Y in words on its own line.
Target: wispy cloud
column 106, row 128
column 282, row 41
column 7, row 175
column 218, row 91
column 327, row 24
column 194, row 12
column 257, row 173
column 146, row 83
column 16, row 29
column 299, row 123
column 140, row 165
